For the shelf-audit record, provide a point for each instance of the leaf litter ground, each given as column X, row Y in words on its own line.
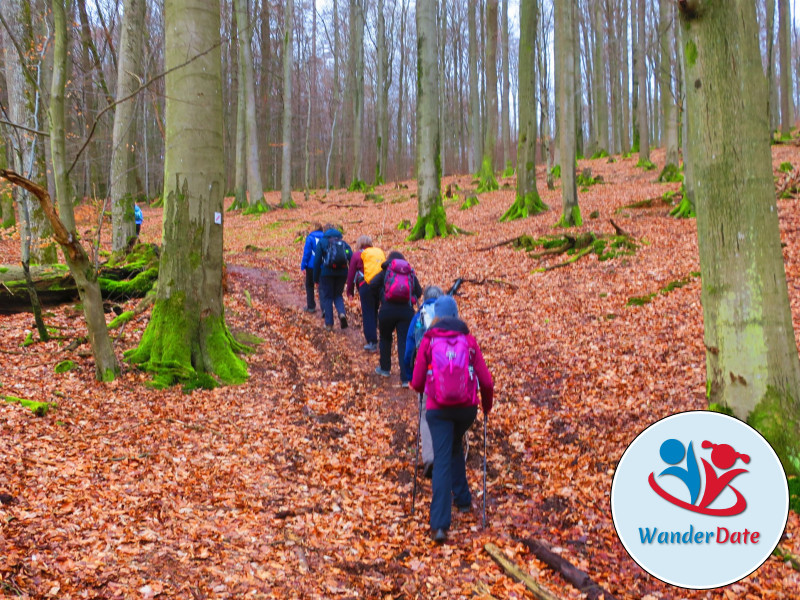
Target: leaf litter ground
column 298, row 483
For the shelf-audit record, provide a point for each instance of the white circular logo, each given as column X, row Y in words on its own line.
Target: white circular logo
column 699, row 500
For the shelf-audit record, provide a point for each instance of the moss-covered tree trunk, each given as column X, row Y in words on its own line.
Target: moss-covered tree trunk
column 669, row 119
column 528, row 201
column 381, row 97
column 286, row 162
column 431, row 219
column 187, row 338
column 751, row 356
column 123, row 152
column 240, row 177
column 255, row 188
column 486, row 176
column 356, row 77
column 565, row 71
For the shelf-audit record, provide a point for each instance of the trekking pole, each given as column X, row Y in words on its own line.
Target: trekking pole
column 484, row 470
column 416, row 455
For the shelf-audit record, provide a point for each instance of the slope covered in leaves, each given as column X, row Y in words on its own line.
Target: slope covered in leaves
column 298, row 483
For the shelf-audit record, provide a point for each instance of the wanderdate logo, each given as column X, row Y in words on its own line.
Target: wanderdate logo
column 699, row 500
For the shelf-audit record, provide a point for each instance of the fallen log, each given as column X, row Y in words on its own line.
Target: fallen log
column 568, row 571
column 515, row 572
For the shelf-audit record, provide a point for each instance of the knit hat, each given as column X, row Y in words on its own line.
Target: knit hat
column 445, row 307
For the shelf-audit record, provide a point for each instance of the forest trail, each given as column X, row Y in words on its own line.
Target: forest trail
column 297, row 483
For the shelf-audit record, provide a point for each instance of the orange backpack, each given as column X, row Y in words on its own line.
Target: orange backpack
column 373, row 258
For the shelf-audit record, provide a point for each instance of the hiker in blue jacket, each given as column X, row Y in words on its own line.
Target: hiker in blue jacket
column 138, row 218
column 307, row 265
column 331, row 263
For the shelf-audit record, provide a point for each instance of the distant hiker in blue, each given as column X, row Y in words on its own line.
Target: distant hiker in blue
column 307, row 264
column 331, row 263
column 138, row 218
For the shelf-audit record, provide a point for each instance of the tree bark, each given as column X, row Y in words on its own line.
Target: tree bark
column 600, row 96
column 401, row 79
column 528, row 201
column 381, row 118
column 286, row 163
column 669, row 120
column 565, row 71
column 474, row 88
column 124, row 187
column 187, row 338
column 357, row 86
column 751, row 357
column 35, row 231
column 642, row 123
column 431, row 217
column 486, row 174
column 505, row 114
column 785, row 43
column 774, row 104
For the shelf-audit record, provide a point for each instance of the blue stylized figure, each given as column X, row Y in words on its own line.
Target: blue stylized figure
column 672, row 452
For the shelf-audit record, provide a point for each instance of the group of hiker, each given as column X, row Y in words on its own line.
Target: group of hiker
column 437, row 355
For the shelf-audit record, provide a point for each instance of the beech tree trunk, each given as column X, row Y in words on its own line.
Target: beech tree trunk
column 785, row 43
column 401, row 134
column 669, row 121
column 600, row 95
column 486, row 174
column 381, row 119
column 565, row 71
column 286, row 164
column 357, row 86
column 751, row 357
column 642, row 123
column 474, row 89
column 187, row 338
column 35, row 231
column 123, row 146
column 528, row 201
column 431, row 217
column 255, row 189
column 505, row 113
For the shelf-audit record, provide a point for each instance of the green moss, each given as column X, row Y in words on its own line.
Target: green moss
column 434, row 224
column 595, row 214
column 404, row 224
column 399, row 200
column 358, row 186
column 175, row 348
column 257, row 208
column 140, row 258
column 586, row 180
column 645, row 164
column 525, row 206
column 786, row 167
column 131, row 288
column 247, row 338
column 720, row 408
column 779, row 426
column 556, row 172
column 373, row 197
column 600, row 154
column 671, row 286
column 28, row 340
column 3, row 269
column 469, row 202
column 120, row 320
column 794, row 494
column 572, row 219
column 684, row 210
column 64, row 366
column 691, row 53
column 39, row 409
column 486, row 179
column 671, row 173
column 509, row 170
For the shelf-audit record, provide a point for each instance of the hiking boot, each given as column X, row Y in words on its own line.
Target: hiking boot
column 309, row 310
column 427, row 470
column 464, row 509
column 343, row 321
column 403, row 384
column 371, row 347
column 439, row 536
column 328, row 327
column 381, row 372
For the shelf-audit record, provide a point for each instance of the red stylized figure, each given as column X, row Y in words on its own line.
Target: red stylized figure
column 724, row 457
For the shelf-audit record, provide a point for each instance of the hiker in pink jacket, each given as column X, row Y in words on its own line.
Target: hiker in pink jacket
column 450, row 369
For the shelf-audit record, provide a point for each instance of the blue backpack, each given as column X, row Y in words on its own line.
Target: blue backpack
column 336, row 256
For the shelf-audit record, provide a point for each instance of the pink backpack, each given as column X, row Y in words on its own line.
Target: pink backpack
column 399, row 283
column 451, row 366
